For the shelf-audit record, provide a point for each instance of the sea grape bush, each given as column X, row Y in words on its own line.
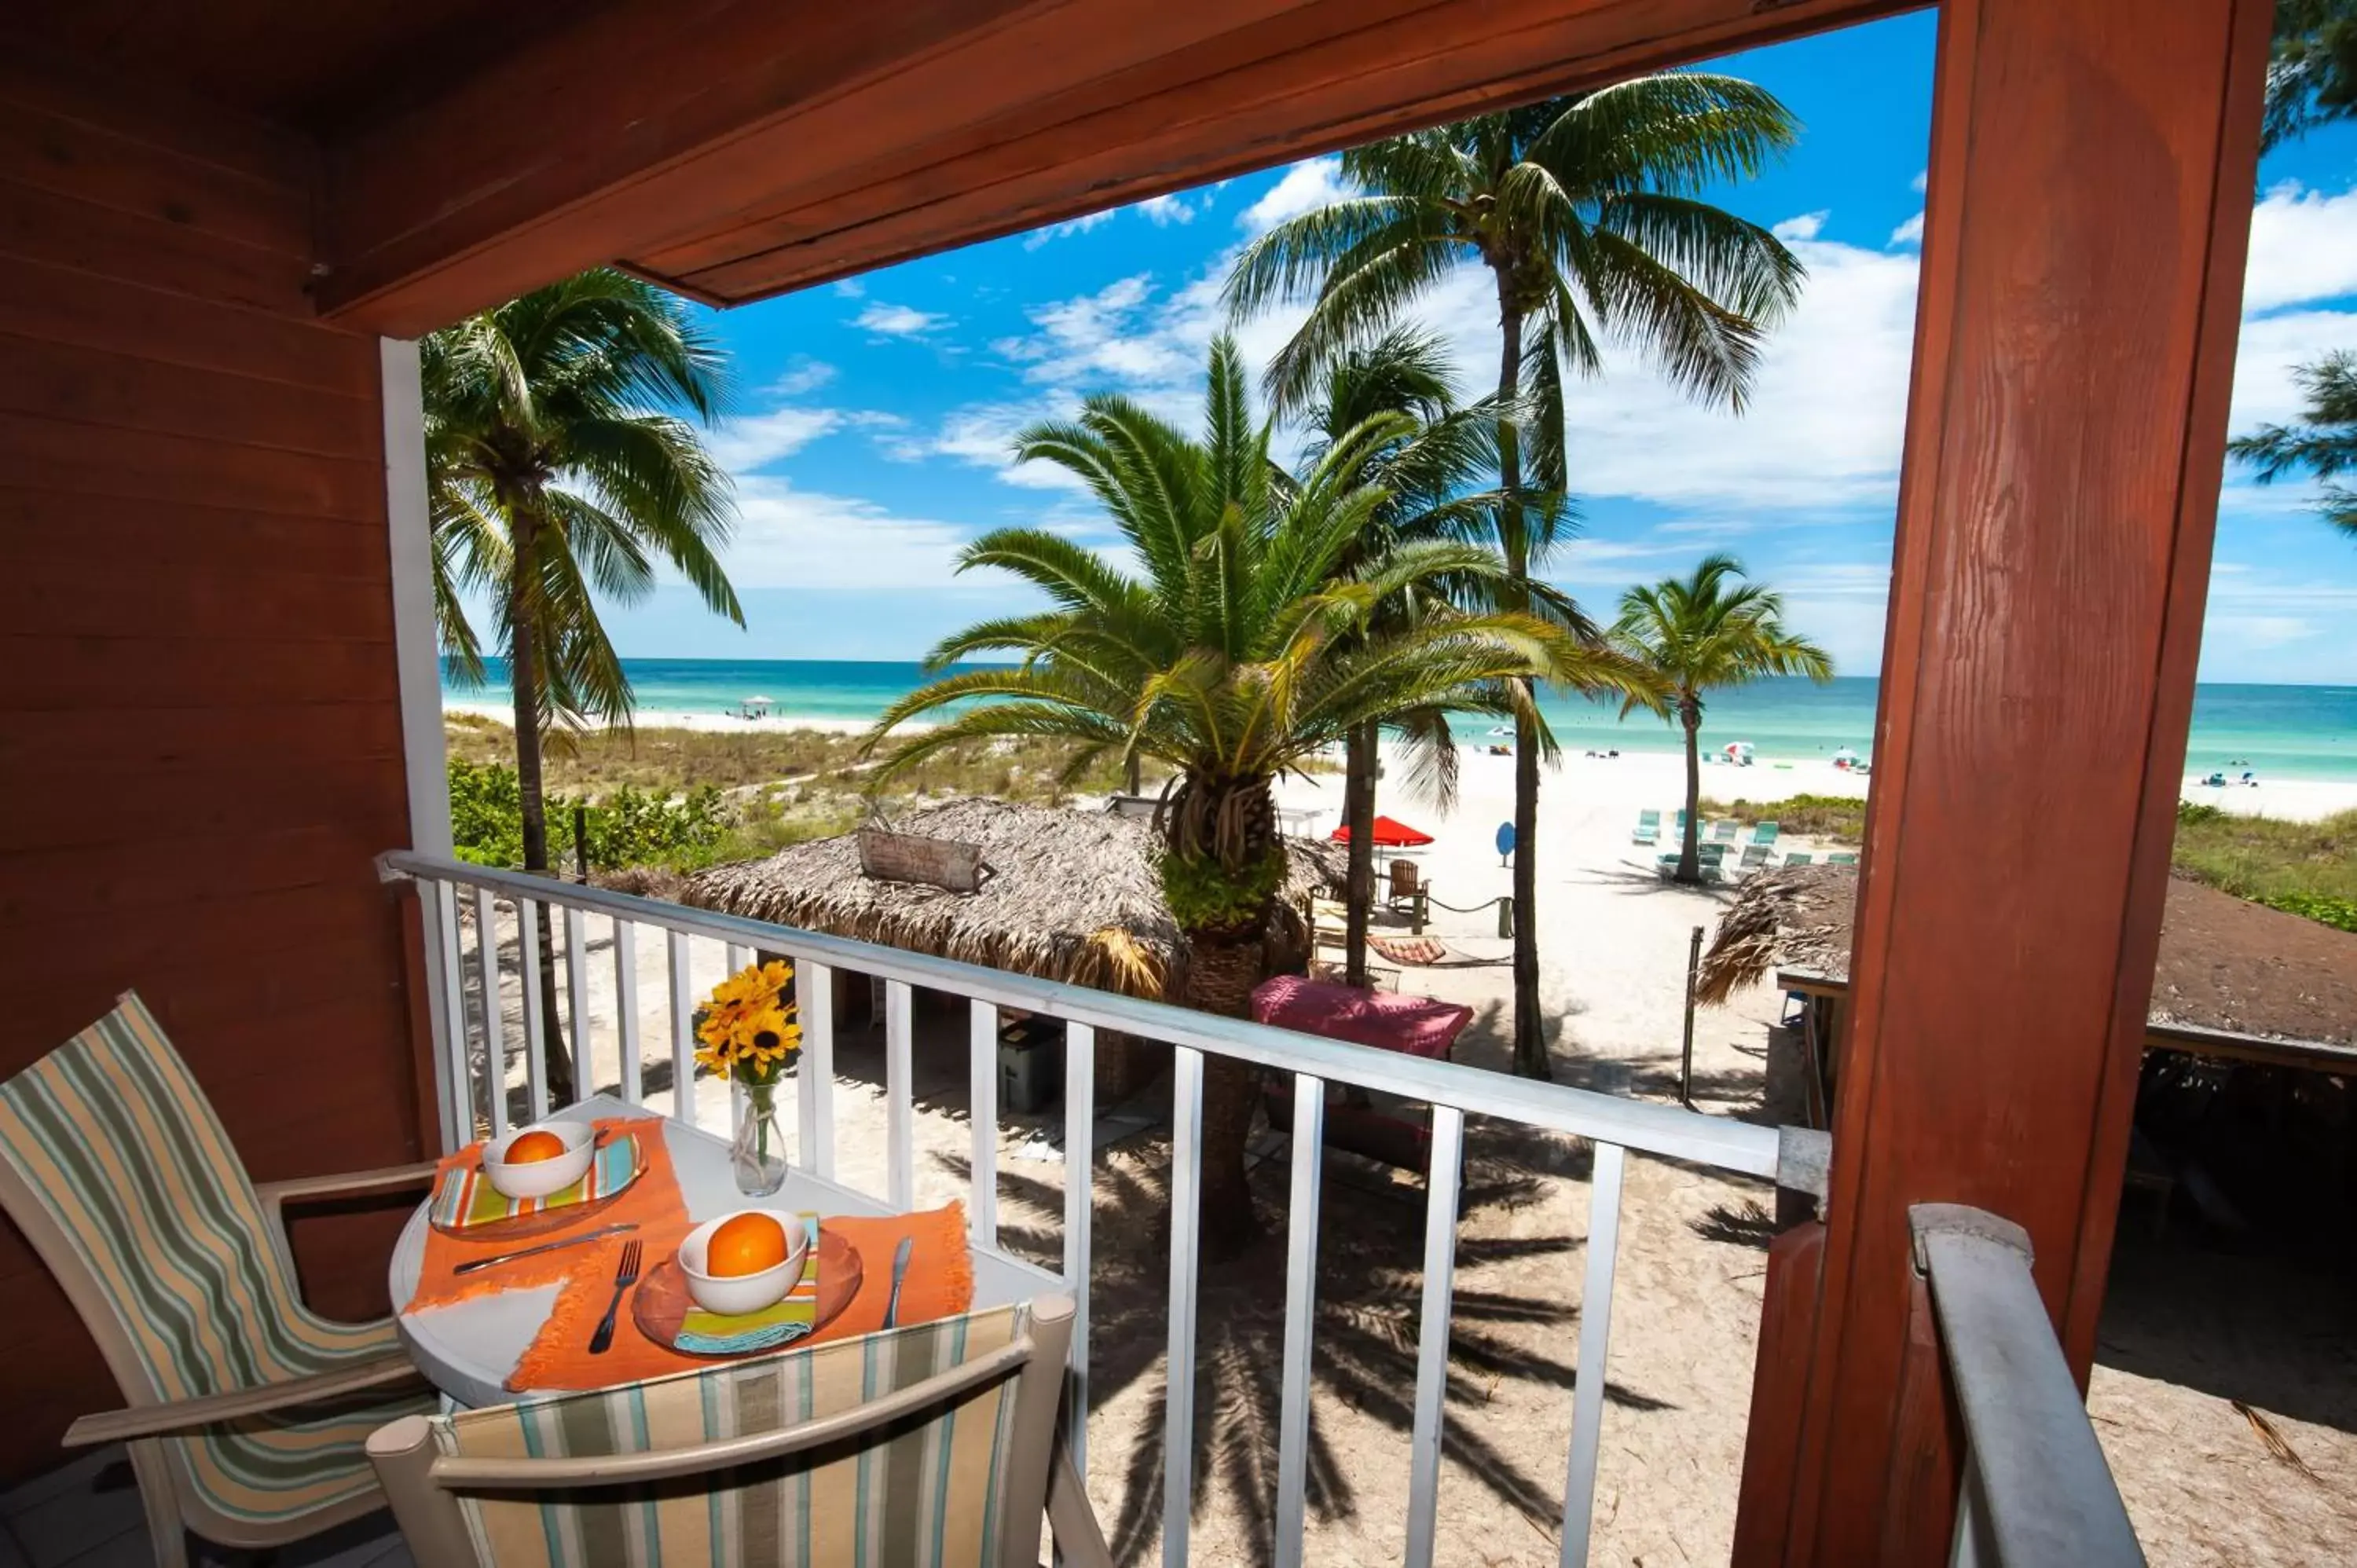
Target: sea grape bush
column 629, row 827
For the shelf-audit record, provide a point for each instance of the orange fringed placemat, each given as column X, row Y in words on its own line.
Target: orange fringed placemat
column 940, row 1280
column 652, row 1203
column 940, row 1284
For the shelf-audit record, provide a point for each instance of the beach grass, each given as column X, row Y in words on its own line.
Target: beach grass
column 2308, row 868
column 1837, row 817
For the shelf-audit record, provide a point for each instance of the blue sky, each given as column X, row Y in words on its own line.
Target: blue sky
column 875, row 416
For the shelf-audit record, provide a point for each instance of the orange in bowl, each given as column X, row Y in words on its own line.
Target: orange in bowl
column 534, row 1148
column 745, row 1244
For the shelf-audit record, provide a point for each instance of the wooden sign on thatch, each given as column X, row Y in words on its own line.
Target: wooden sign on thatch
column 906, row 857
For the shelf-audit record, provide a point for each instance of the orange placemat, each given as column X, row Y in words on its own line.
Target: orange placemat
column 940, row 1284
column 652, row 1202
column 940, row 1280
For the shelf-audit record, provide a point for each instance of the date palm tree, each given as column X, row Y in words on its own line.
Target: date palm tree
column 1238, row 648
column 2323, row 444
column 1701, row 632
column 563, row 461
column 1587, row 212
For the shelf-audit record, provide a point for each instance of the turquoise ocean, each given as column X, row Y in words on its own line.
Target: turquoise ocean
column 2285, row 732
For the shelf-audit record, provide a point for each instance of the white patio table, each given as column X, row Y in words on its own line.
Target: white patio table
column 468, row 1348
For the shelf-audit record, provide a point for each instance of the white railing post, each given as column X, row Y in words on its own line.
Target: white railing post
column 626, row 1009
column 1300, row 1317
column 814, row 1093
column 1080, row 1215
column 1595, row 1350
column 495, row 1023
column 457, row 1097
column 981, row 1120
column 1186, row 1219
column 899, row 1114
column 576, row 990
column 1441, row 1190
column 535, row 1026
column 682, row 1032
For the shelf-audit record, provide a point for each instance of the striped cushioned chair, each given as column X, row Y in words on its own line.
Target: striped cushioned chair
column 249, row 1413
column 934, row 1446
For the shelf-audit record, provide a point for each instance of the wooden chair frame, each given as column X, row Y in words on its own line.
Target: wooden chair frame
column 1038, row 1480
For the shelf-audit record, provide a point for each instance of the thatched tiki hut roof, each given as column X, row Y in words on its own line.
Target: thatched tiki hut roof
column 2228, row 969
column 1070, row 895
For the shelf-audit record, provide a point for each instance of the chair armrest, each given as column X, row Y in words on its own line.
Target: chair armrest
column 208, row 1410
column 276, row 1194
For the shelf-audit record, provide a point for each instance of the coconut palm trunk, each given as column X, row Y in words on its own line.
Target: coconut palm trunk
column 1689, row 841
column 523, row 671
column 1529, row 1023
column 1364, row 752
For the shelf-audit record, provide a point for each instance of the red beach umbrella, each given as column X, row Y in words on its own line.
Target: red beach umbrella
column 1388, row 834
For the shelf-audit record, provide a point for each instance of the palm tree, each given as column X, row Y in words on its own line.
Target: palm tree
column 2312, row 68
column 559, row 467
column 1403, row 381
column 2324, row 444
column 1236, row 650
column 1587, row 212
column 1701, row 632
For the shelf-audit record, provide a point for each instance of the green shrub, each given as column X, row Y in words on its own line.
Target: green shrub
column 2339, row 913
column 631, row 827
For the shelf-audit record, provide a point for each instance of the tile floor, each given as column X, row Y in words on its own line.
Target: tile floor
column 86, row 1514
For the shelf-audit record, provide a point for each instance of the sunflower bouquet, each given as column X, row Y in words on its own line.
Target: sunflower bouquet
column 747, row 1033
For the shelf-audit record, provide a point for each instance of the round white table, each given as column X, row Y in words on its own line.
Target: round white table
column 467, row 1350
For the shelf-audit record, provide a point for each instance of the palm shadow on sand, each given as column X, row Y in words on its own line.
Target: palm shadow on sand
column 1370, row 1283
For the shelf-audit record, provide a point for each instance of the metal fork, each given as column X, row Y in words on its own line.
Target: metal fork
column 624, row 1278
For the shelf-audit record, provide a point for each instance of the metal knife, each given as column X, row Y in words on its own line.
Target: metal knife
column 471, row 1264
column 900, row 1272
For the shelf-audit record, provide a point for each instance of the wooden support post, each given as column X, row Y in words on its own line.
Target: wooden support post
column 2091, row 186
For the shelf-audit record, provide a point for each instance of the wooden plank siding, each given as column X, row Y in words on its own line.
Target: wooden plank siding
column 200, row 744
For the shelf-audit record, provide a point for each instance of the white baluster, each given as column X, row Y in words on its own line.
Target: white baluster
column 495, row 1026
column 682, row 1032
column 458, row 1096
column 1186, row 1219
column 1300, row 1316
column 814, row 1089
column 981, row 1118
column 1595, row 1343
column 535, row 1027
column 900, row 1116
column 1440, row 1185
column 626, row 1008
column 1080, row 1215
column 576, row 990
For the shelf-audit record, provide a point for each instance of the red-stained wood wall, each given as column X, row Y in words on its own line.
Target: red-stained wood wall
column 200, row 745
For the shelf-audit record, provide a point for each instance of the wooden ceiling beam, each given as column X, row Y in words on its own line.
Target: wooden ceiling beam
column 743, row 149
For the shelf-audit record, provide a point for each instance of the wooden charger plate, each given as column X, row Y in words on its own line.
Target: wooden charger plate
column 548, row 1221
column 662, row 1303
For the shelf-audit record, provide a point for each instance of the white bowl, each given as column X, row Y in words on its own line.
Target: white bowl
column 737, row 1294
column 541, row 1178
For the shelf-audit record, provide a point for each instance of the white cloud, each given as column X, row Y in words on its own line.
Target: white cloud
column 897, row 320
column 1805, row 226
column 1922, row 182
column 1305, row 187
column 2303, row 248
column 1909, row 232
column 1081, row 225
column 852, row 288
column 804, row 375
column 741, row 445
column 982, row 436
column 791, row 538
column 2258, row 631
column 1165, row 210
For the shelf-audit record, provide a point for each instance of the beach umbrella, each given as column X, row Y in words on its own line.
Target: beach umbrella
column 1388, row 834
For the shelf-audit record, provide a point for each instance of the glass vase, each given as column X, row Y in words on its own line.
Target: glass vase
column 758, row 1154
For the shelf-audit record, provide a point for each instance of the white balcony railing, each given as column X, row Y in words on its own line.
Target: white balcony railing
column 1615, row 1126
